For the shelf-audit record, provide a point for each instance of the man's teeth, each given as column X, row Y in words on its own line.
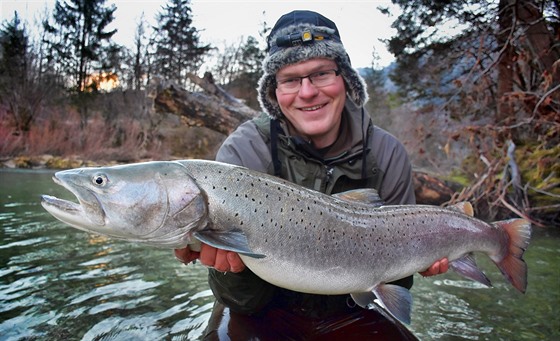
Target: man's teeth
column 312, row 108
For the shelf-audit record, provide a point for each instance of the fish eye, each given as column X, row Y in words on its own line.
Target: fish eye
column 100, row 180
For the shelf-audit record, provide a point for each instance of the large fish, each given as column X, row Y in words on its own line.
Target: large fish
column 288, row 235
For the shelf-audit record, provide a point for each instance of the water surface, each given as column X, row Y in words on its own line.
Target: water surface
column 58, row 283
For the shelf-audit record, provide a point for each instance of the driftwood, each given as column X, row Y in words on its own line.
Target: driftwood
column 217, row 110
column 430, row 190
column 214, row 108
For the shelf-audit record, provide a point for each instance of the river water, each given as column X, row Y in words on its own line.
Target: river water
column 58, row 283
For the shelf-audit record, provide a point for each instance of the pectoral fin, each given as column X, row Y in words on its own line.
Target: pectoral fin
column 393, row 298
column 466, row 267
column 233, row 240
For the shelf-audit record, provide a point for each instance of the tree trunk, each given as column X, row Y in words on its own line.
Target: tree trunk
column 505, row 62
column 539, row 38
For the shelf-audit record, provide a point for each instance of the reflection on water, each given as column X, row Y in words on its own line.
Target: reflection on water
column 59, row 283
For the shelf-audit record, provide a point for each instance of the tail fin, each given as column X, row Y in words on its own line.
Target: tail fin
column 513, row 267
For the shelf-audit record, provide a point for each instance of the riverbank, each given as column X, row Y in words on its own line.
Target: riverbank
column 47, row 161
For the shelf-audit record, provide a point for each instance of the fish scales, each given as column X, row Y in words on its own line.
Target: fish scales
column 313, row 239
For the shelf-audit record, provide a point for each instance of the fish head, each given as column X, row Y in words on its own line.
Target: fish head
column 156, row 203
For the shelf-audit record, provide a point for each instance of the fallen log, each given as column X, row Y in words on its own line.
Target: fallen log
column 430, row 190
column 214, row 108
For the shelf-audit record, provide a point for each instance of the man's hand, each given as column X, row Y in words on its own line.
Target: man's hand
column 209, row 256
column 439, row 267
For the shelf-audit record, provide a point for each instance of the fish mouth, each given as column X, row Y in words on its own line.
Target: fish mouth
column 86, row 212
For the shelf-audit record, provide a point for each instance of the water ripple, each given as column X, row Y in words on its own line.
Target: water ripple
column 27, row 242
column 126, row 288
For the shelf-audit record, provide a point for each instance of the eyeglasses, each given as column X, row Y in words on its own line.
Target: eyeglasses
column 319, row 79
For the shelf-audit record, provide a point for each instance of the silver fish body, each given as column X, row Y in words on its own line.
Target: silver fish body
column 288, row 235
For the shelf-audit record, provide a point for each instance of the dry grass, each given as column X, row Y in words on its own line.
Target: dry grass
column 61, row 134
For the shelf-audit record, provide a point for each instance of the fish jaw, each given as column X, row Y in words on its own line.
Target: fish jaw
column 87, row 215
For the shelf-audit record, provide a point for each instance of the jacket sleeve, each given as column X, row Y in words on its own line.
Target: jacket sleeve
column 397, row 187
column 246, row 147
column 243, row 292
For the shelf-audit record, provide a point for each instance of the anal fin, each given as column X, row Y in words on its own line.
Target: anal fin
column 466, row 267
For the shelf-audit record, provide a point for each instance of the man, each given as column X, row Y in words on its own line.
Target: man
column 316, row 133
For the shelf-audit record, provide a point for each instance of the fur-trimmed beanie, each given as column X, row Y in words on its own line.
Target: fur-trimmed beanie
column 299, row 36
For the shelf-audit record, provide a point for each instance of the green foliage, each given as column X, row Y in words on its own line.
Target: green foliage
column 481, row 83
column 454, row 53
column 14, row 45
column 20, row 88
column 238, row 69
column 78, row 40
column 177, row 47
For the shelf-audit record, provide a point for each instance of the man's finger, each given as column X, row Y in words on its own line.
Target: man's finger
column 185, row 255
column 235, row 262
column 208, row 255
column 221, row 262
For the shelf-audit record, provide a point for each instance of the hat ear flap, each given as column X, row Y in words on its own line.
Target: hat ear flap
column 355, row 85
column 267, row 96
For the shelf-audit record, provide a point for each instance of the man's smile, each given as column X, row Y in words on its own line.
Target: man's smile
column 313, row 108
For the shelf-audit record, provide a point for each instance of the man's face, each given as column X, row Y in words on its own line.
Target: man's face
column 315, row 112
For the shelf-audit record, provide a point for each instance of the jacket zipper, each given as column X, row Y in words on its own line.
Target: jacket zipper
column 328, row 177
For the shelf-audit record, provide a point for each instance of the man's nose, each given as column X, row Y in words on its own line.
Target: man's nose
column 307, row 88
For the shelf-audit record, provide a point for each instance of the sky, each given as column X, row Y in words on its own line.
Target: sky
column 225, row 22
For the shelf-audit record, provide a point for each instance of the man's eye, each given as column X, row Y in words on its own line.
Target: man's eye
column 289, row 81
column 320, row 74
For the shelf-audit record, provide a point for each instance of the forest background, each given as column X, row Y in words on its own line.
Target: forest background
column 480, row 108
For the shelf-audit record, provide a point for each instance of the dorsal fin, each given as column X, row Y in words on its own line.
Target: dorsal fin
column 463, row 207
column 363, row 195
